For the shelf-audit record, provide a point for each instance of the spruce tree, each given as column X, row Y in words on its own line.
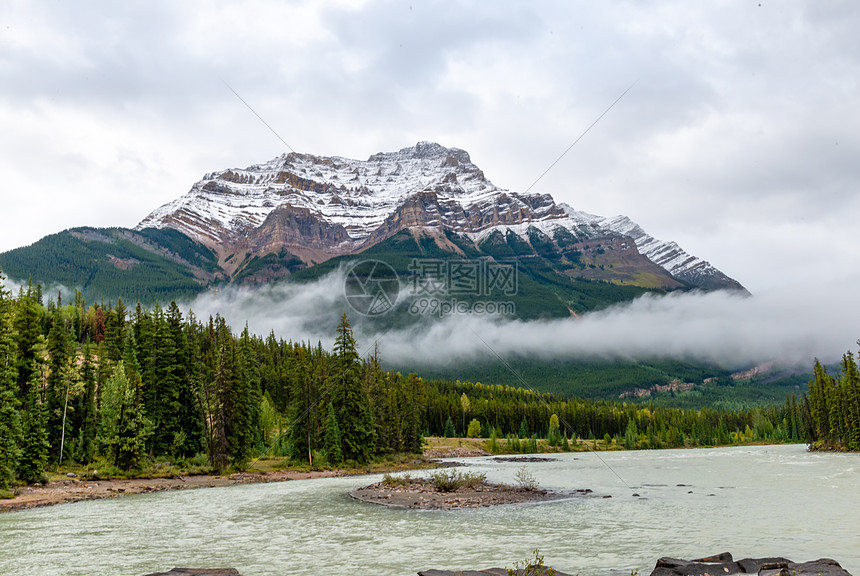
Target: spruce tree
column 162, row 383
column 87, row 408
column 332, row 442
column 414, row 409
column 115, row 324
column 307, row 370
column 350, row 398
column 133, row 429
column 10, row 434
column 123, row 429
column 449, row 428
column 524, row 428
column 112, row 397
column 57, row 390
column 244, row 422
column 28, row 330
column 190, row 416
column 35, row 445
column 851, row 399
column 10, row 423
column 219, row 449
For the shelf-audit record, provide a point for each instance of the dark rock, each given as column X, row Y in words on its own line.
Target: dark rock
column 724, row 565
column 822, row 566
column 774, row 572
column 724, row 557
column 677, row 567
column 754, row 565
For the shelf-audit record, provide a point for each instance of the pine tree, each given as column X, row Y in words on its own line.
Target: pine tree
column 307, row 370
column 123, row 429
column 112, row 397
column 449, row 428
column 35, row 445
column 332, row 442
column 524, row 428
column 851, row 399
column 87, row 408
column 414, row 408
column 115, row 324
column 133, row 429
column 243, row 431
column 28, row 330
column 219, row 450
column 190, row 416
column 57, row 390
column 350, row 398
column 10, row 423
column 818, row 401
column 161, row 381
column 10, row 435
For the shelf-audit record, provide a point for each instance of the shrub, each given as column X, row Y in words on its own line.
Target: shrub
column 472, row 480
column 531, row 567
column 452, row 480
column 525, row 479
column 474, row 430
column 392, row 480
column 446, row 481
column 494, row 442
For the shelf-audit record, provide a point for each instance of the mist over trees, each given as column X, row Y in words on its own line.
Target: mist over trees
column 120, row 389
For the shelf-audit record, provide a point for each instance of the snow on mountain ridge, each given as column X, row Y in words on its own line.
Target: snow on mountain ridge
column 667, row 254
column 419, row 186
column 356, row 194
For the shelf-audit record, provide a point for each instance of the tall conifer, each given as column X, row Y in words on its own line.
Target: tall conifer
column 10, row 423
column 350, row 398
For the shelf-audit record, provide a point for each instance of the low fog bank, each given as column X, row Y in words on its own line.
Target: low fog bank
column 791, row 326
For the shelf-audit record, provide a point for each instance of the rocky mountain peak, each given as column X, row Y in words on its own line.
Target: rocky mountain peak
column 318, row 207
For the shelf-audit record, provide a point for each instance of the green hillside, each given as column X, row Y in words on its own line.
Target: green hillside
column 107, row 263
column 551, row 277
column 544, row 287
column 609, row 379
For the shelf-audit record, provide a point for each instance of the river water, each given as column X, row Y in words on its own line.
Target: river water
column 751, row 501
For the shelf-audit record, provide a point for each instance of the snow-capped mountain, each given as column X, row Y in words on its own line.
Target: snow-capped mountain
column 320, row 207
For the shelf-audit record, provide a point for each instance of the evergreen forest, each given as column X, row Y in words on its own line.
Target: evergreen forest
column 119, row 389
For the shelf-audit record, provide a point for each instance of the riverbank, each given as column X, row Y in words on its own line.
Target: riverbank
column 62, row 489
column 65, row 490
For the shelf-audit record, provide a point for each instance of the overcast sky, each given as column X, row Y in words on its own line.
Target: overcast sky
column 740, row 139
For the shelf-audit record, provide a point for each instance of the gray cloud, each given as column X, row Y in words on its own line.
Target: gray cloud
column 739, row 140
column 789, row 326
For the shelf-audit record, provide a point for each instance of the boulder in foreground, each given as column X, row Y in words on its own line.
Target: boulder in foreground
column 724, row 565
